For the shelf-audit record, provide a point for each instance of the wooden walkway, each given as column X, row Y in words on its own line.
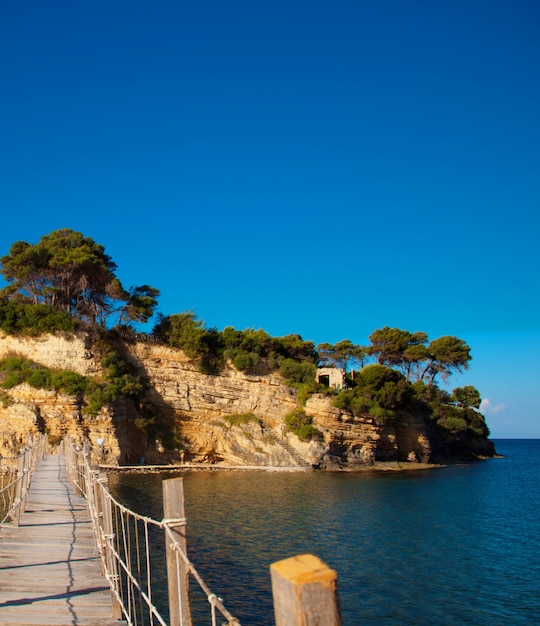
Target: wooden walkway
column 49, row 566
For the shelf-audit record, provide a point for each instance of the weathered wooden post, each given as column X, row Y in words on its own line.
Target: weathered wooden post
column 27, row 476
column 103, row 505
column 97, row 514
column 177, row 571
column 69, row 461
column 305, row 592
column 16, row 516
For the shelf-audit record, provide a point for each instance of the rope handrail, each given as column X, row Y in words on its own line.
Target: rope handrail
column 127, row 553
column 15, row 478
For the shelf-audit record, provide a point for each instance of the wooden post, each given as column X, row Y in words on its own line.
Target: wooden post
column 98, row 503
column 305, row 592
column 27, row 476
column 108, row 533
column 16, row 516
column 177, row 573
column 69, row 460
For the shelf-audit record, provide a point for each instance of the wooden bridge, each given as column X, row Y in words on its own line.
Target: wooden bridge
column 50, row 570
column 73, row 555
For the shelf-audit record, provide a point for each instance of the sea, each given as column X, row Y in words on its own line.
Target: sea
column 445, row 546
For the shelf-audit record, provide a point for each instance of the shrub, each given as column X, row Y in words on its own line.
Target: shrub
column 69, row 382
column 344, row 399
column 236, row 419
column 5, row 399
column 298, row 371
column 16, row 370
column 305, row 391
column 300, row 424
column 377, row 391
column 453, row 424
column 244, row 360
column 380, row 415
column 40, row 379
column 28, row 318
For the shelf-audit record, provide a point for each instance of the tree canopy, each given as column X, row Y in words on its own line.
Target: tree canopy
column 344, row 354
column 72, row 273
column 417, row 359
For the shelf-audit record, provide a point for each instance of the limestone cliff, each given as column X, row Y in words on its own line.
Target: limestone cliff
column 199, row 409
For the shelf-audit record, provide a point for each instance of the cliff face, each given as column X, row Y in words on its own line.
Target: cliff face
column 196, row 407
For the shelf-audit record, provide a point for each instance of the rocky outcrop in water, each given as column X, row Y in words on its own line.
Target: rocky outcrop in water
column 199, row 409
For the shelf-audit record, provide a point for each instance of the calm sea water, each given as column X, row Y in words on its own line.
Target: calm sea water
column 454, row 545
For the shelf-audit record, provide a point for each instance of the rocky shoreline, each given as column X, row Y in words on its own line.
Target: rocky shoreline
column 230, row 420
column 378, row 466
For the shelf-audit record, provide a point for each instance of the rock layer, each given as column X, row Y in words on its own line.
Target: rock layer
column 198, row 407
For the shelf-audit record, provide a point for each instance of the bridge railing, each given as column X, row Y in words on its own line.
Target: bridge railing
column 15, row 475
column 138, row 553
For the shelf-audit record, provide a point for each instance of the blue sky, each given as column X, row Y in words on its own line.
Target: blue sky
column 321, row 168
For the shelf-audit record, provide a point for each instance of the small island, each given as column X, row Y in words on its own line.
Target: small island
column 72, row 362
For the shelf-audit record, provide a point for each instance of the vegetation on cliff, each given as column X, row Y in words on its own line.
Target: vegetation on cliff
column 66, row 282
column 94, row 393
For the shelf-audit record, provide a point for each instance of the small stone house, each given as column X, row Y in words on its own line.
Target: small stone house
column 331, row 377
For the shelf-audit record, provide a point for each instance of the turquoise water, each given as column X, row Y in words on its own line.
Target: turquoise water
column 455, row 545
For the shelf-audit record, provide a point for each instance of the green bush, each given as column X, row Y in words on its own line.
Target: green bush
column 298, row 371
column 69, row 382
column 377, row 391
column 118, row 379
column 40, row 379
column 236, row 419
column 453, row 424
column 5, row 399
column 300, row 424
column 28, row 318
column 307, row 432
column 380, row 415
column 305, row 391
column 244, row 360
column 477, row 423
column 15, row 370
column 344, row 399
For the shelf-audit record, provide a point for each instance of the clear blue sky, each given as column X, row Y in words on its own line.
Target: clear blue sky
column 321, row 168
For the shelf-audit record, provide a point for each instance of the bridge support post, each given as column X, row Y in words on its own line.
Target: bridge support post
column 177, row 570
column 305, row 592
column 104, row 509
column 28, row 454
column 19, row 488
column 70, row 461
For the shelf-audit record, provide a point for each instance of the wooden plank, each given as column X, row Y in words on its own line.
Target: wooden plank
column 49, row 565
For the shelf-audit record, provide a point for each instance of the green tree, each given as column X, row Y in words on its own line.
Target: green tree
column 30, row 318
column 294, row 347
column 326, row 354
column 378, row 391
column 245, row 348
column 344, row 354
column 141, row 304
column 467, row 397
column 397, row 348
column 302, row 426
column 298, row 371
column 409, row 353
column 446, row 356
column 71, row 273
column 184, row 331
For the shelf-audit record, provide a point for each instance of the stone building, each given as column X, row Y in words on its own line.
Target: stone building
column 331, row 377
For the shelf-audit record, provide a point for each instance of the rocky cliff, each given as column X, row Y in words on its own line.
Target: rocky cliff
column 202, row 411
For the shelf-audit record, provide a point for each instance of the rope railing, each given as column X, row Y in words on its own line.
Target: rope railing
column 138, row 553
column 15, row 475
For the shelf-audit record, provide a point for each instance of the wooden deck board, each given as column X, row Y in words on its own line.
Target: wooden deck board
column 49, row 567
